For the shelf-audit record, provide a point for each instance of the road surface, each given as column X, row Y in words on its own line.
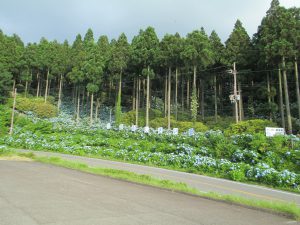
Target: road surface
column 32, row 193
column 202, row 183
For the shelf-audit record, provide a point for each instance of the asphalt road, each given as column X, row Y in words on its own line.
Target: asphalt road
column 202, row 183
column 32, row 193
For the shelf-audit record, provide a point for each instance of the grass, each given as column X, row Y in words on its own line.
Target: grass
column 186, row 170
column 284, row 208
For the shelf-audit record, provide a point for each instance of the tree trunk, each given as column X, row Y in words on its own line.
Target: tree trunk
column 215, row 98
column 91, row 109
column 46, row 88
column 169, row 99
column 269, row 95
column 133, row 94
column 82, row 101
column 118, row 108
column 97, row 109
column 297, row 87
column 137, row 102
column 202, row 100
column 241, row 111
column 59, row 92
column 109, row 91
column 220, row 97
column 147, row 97
column 14, row 93
column 74, row 96
column 188, row 93
column 176, row 93
column 26, row 87
column 14, row 86
column 48, row 94
column 87, row 101
column 38, row 84
column 120, row 85
column 78, row 107
column 166, row 94
column 194, row 82
column 182, row 93
column 281, row 100
column 287, row 100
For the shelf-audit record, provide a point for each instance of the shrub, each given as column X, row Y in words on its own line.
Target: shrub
column 128, row 118
column 37, row 106
column 221, row 124
column 249, row 127
column 237, row 175
column 5, row 115
column 181, row 125
column 3, row 150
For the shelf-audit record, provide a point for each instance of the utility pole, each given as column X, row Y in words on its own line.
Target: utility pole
column 235, row 96
column 13, row 112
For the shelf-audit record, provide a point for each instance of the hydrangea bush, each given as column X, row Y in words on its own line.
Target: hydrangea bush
column 246, row 157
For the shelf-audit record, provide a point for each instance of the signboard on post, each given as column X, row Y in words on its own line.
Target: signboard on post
column 146, row 130
column 175, row 131
column 160, row 130
column 273, row 131
column 133, row 128
column 191, row 132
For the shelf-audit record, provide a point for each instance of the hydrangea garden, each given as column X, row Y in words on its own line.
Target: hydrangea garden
column 246, row 157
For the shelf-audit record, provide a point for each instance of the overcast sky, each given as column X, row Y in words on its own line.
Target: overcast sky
column 64, row 19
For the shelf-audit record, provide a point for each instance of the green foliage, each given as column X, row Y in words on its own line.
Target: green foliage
column 92, row 88
column 198, row 49
column 145, row 48
column 245, row 157
column 128, row 118
column 5, row 115
column 181, row 125
column 37, row 106
column 238, row 46
column 237, row 175
column 222, row 122
column 5, row 83
column 250, row 127
column 40, row 127
column 217, row 47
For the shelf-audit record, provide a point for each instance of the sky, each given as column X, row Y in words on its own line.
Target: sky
column 64, row 19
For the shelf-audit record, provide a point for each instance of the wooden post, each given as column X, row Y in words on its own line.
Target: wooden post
column 235, row 94
column 13, row 113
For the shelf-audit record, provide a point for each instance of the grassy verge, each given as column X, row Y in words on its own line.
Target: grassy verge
column 284, row 208
column 186, row 170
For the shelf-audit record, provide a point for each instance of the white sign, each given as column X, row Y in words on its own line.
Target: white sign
column 272, row 131
column 160, row 130
column 108, row 126
column 175, row 131
column 191, row 132
column 121, row 126
column 133, row 128
column 146, row 129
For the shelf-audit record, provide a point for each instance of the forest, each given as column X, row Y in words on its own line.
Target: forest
column 177, row 78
